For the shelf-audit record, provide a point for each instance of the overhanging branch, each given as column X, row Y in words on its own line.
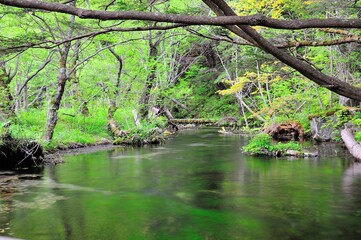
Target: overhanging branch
column 54, row 43
column 331, row 83
column 252, row 20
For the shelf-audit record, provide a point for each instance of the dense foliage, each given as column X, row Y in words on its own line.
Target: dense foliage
column 198, row 71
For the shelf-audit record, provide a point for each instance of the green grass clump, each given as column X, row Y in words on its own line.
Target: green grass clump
column 262, row 144
column 358, row 136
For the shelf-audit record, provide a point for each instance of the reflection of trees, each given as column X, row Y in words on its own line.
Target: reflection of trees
column 209, row 194
column 350, row 226
column 295, row 198
column 11, row 184
column 6, row 200
column 350, row 177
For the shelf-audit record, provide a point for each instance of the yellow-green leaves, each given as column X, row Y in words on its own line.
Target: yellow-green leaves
column 270, row 8
column 236, row 85
column 239, row 83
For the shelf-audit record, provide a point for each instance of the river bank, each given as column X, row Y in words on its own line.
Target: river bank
column 197, row 185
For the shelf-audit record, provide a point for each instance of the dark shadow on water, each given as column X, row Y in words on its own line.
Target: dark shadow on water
column 209, row 196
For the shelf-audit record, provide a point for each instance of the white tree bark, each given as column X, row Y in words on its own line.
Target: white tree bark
column 350, row 142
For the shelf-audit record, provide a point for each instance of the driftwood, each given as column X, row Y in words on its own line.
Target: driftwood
column 285, row 131
column 353, row 147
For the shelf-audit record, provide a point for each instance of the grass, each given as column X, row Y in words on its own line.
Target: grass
column 79, row 129
column 85, row 130
column 262, row 144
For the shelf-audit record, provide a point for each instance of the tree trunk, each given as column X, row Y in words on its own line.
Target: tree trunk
column 26, row 98
column 6, row 98
column 61, row 82
column 113, row 107
column 353, row 147
column 153, row 56
column 55, row 104
column 74, row 80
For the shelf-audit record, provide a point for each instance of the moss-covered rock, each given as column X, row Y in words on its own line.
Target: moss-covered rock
column 139, row 137
column 262, row 144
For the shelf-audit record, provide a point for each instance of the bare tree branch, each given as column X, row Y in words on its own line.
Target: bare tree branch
column 54, row 43
column 252, row 20
column 305, row 43
column 48, row 60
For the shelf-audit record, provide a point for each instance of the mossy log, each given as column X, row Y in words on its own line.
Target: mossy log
column 194, row 121
column 153, row 136
column 352, row 145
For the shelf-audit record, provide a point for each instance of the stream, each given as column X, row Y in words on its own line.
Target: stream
column 199, row 185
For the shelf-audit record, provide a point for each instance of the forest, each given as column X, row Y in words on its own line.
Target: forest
column 79, row 72
column 193, row 119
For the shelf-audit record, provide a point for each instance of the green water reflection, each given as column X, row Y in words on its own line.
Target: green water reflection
column 197, row 186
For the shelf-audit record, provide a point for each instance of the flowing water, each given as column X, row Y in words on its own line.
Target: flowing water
column 198, row 185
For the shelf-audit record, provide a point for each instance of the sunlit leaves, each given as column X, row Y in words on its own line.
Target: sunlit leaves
column 239, row 83
column 272, row 8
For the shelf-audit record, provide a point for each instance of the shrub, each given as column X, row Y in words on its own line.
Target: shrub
column 259, row 144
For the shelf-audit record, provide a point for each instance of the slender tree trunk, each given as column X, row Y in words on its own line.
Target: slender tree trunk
column 151, row 76
column 74, row 80
column 240, row 100
column 113, row 107
column 18, row 97
column 6, row 99
column 61, row 82
column 55, row 104
column 241, row 110
column 26, row 98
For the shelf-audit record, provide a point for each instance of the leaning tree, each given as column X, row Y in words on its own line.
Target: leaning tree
column 226, row 17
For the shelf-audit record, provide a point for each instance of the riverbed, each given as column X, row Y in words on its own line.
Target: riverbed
column 199, row 185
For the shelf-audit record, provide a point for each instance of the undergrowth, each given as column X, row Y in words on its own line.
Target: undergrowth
column 262, row 144
column 78, row 129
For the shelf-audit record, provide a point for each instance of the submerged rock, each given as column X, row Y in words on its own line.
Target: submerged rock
column 293, row 153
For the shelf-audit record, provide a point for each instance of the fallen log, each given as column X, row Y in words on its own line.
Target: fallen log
column 352, row 145
column 195, row 121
